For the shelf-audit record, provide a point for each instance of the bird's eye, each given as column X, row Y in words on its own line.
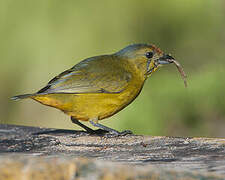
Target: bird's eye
column 149, row 55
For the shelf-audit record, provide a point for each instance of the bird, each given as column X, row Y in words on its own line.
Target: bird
column 99, row 87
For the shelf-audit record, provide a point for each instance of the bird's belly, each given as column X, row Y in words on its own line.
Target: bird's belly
column 87, row 106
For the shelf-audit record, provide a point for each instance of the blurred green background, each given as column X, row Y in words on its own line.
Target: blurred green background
column 40, row 39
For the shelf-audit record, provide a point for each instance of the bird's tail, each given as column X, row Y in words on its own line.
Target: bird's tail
column 23, row 96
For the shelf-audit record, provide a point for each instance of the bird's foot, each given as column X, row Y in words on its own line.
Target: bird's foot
column 126, row 132
column 119, row 134
column 104, row 133
column 99, row 132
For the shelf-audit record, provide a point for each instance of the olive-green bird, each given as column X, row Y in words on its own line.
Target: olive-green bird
column 100, row 86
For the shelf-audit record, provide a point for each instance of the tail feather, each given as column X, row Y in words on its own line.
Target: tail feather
column 23, row 96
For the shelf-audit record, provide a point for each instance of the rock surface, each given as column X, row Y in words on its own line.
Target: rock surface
column 40, row 153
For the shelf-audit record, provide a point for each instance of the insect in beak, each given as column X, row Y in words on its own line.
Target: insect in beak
column 168, row 59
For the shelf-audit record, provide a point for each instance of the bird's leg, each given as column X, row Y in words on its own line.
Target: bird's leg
column 95, row 123
column 75, row 121
column 103, row 129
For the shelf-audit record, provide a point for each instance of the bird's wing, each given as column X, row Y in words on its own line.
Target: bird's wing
column 90, row 77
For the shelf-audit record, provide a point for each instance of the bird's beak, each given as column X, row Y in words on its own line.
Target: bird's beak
column 165, row 59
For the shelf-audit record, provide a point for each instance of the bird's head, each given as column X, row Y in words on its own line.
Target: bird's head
column 147, row 58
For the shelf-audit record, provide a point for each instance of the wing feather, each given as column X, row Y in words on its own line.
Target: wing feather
column 95, row 75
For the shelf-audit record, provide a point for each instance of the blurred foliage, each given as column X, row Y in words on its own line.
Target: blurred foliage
column 40, row 39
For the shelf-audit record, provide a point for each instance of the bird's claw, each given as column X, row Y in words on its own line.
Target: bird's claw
column 104, row 133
